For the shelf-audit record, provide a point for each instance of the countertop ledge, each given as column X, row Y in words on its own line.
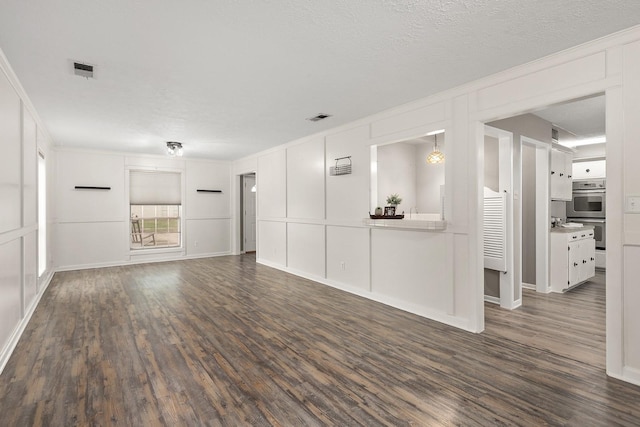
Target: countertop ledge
column 571, row 230
column 407, row 224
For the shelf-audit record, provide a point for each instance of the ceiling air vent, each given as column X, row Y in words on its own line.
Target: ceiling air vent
column 319, row 117
column 554, row 135
column 83, row 70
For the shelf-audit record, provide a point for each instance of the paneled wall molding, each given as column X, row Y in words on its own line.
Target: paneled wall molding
column 608, row 65
column 10, row 345
column 7, row 71
column 17, row 234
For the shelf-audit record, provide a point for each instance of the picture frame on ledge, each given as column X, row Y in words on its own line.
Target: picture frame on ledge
column 389, row 211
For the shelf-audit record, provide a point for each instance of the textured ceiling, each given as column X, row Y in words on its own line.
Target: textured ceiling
column 232, row 77
column 584, row 118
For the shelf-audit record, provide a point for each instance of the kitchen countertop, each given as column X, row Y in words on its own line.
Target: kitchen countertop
column 571, row 230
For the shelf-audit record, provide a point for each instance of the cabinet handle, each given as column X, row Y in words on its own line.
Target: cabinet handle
column 583, row 235
column 592, row 259
column 561, row 174
column 584, row 261
column 552, row 172
column 568, row 176
column 575, row 264
column 574, row 237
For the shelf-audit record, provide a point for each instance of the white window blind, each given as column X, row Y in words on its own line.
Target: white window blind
column 154, row 188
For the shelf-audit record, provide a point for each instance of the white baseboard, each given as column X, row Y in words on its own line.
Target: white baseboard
column 492, row 300
column 8, row 349
column 140, row 261
column 425, row 312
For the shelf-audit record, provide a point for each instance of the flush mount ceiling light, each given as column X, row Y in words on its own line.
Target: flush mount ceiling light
column 174, row 148
column 585, row 141
column 436, row 156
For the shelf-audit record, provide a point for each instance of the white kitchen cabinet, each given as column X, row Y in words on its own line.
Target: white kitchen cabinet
column 590, row 169
column 573, row 258
column 561, row 175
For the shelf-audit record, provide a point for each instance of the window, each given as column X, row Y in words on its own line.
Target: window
column 155, row 202
column 155, row 226
column 42, row 215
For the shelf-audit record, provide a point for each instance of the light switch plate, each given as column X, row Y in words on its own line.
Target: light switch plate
column 633, row 204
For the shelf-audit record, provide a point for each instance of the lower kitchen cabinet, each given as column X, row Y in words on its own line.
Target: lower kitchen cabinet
column 573, row 258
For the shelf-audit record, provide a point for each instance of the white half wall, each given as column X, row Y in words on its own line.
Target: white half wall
column 345, row 264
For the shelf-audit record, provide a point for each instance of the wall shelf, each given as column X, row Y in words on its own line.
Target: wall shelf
column 88, row 187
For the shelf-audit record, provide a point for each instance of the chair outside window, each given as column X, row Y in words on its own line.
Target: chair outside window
column 137, row 236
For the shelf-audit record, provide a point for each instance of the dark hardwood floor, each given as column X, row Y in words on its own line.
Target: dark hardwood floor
column 223, row 341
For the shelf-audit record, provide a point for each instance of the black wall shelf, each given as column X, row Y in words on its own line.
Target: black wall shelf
column 209, row 191
column 86, row 187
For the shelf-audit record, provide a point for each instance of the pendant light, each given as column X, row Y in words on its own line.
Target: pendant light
column 436, row 156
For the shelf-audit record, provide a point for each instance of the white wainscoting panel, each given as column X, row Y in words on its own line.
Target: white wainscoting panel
column 207, row 176
column 305, row 180
column 91, row 244
column 29, row 171
column 411, row 119
column 412, row 267
column 348, row 195
column 272, row 185
column 347, row 256
column 89, row 169
column 272, row 242
column 30, row 278
column 10, row 167
column 580, row 71
column 631, row 292
column 306, row 248
column 10, row 299
column 208, row 236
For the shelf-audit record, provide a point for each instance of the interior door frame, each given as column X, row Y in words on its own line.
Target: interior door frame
column 543, row 205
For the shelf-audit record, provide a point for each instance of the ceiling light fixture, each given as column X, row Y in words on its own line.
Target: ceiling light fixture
column 436, row 156
column 585, row 141
column 174, row 148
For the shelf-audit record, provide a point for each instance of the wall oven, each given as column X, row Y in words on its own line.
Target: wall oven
column 589, row 199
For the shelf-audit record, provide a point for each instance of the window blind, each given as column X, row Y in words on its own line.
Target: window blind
column 154, row 188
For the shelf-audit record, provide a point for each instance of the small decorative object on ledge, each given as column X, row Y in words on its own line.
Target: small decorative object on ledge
column 208, row 191
column 85, row 187
column 401, row 216
column 341, row 169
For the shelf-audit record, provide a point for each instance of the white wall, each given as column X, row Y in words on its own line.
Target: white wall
column 397, row 174
column 608, row 65
column 21, row 137
column 92, row 228
column 429, row 177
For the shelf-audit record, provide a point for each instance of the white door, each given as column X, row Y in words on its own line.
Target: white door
column 249, row 212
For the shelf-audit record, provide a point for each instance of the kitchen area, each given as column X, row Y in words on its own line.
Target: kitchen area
column 578, row 193
column 559, row 197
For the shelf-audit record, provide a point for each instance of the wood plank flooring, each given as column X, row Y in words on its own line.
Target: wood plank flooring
column 223, row 341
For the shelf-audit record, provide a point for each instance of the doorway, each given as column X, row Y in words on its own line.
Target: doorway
column 248, row 189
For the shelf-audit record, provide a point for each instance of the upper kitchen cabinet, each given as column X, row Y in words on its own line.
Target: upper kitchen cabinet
column 561, row 175
column 590, row 169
